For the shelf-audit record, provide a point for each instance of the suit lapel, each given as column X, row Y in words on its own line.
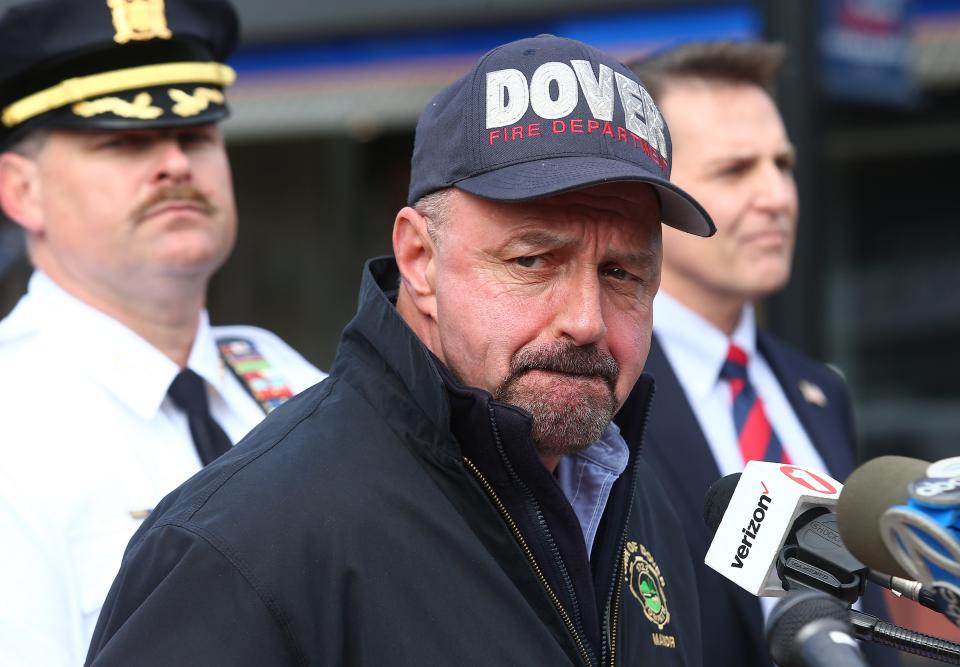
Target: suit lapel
column 676, row 441
column 831, row 443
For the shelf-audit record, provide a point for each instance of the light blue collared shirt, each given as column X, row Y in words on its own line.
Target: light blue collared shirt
column 587, row 477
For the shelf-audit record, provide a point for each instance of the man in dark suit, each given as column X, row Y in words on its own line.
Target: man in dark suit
column 726, row 391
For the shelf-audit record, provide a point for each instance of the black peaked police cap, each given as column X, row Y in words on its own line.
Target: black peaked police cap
column 114, row 64
column 546, row 115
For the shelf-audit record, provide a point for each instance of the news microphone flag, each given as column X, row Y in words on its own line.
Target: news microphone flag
column 767, row 500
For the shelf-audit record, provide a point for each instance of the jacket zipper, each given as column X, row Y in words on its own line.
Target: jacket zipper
column 518, row 536
column 613, row 608
column 613, row 611
column 544, row 531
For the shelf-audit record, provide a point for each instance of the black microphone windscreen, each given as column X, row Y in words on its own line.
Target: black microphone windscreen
column 717, row 499
column 791, row 615
column 872, row 489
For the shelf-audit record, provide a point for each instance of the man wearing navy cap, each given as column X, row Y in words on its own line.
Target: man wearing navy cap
column 117, row 388
column 455, row 492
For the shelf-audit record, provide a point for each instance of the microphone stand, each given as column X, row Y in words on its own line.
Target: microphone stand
column 871, row 628
column 814, row 558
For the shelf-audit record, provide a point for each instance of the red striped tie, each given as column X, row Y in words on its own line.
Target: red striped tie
column 758, row 441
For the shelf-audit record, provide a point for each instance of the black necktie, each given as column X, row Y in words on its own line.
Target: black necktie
column 189, row 393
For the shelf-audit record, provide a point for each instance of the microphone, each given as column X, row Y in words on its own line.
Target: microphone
column 924, row 535
column 811, row 553
column 812, row 629
column 870, row 490
column 904, row 515
column 792, row 537
column 776, row 531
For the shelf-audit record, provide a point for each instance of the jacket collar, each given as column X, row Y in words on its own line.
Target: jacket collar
column 381, row 336
column 378, row 327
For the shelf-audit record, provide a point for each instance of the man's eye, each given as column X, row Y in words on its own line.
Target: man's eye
column 124, row 142
column 616, row 273
column 734, row 170
column 118, row 142
column 529, row 261
column 785, row 164
column 193, row 138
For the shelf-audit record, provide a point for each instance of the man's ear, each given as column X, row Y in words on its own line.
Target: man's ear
column 20, row 191
column 416, row 258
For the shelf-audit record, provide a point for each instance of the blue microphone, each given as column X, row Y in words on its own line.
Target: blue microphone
column 923, row 535
column 902, row 516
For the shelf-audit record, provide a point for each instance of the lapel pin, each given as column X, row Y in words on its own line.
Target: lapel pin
column 813, row 394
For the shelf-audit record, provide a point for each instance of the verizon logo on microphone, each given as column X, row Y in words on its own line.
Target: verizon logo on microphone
column 752, row 528
column 758, row 519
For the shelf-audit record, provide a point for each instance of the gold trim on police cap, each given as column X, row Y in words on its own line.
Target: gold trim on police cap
column 140, row 108
column 190, row 105
column 81, row 88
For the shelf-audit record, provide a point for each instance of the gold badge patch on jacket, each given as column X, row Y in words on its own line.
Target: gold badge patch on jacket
column 642, row 574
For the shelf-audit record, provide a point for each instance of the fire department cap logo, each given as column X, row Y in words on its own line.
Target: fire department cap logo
column 545, row 115
column 642, row 574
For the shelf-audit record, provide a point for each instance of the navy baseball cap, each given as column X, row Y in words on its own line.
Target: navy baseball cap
column 114, row 64
column 546, row 115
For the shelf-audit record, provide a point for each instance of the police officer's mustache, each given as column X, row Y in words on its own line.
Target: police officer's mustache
column 182, row 192
column 566, row 358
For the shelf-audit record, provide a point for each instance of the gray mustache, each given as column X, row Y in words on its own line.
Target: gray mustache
column 570, row 359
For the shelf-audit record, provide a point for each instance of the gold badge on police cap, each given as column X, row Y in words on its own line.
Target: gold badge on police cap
column 139, row 20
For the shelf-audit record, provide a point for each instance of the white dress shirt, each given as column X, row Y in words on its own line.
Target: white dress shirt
column 89, row 443
column 696, row 350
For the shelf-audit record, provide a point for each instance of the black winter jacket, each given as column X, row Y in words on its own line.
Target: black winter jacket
column 389, row 516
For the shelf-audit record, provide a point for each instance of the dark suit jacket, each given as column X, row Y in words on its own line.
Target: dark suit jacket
column 675, row 446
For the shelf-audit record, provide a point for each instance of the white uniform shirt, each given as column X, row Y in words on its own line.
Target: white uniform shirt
column 89, row 443
column 696, row 350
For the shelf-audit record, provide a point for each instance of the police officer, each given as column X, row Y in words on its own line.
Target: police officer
column 116, row 388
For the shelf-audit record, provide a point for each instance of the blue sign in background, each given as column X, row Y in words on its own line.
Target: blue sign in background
column 864, row 50
column 606, row 30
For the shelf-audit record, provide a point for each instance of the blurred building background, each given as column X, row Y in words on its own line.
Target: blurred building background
column 322, row 132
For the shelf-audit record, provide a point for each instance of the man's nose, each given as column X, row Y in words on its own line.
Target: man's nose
column 173, row 163
column 776, row 190
column 580, row 310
